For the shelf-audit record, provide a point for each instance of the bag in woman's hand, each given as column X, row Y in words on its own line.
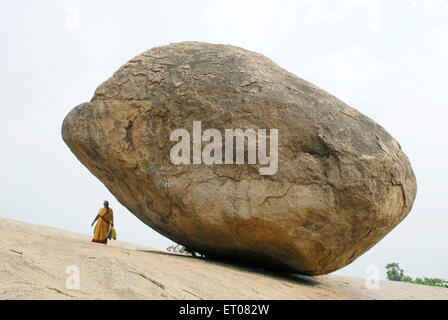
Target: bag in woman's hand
column 112, row 234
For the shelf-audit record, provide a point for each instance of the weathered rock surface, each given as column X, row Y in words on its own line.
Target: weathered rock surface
column 342, row 182
column 34, row 261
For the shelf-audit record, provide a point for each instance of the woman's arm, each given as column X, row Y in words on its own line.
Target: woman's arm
column 97, row 216
column 112, row 217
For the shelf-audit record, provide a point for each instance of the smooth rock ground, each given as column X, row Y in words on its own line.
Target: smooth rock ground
column 33, row 262
column 342, row 182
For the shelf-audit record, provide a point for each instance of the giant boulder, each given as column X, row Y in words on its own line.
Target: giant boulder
column 341, row 185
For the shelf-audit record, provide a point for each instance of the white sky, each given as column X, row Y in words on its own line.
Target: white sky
column 388, row 59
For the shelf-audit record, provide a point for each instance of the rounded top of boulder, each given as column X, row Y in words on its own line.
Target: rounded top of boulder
column 180, row 65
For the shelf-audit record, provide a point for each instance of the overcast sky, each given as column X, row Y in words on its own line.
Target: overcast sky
column 388, row 59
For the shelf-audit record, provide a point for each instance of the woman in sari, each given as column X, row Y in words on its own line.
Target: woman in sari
column 105, row 221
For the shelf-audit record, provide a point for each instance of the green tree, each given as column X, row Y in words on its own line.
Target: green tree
column 436, row 282
column 394, row 272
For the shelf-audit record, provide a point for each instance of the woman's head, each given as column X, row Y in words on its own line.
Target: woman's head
column 106, row 204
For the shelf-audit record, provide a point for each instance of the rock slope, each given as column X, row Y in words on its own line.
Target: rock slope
column 34, row 261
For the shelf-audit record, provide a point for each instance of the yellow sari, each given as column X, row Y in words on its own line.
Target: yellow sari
column 105, row 219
